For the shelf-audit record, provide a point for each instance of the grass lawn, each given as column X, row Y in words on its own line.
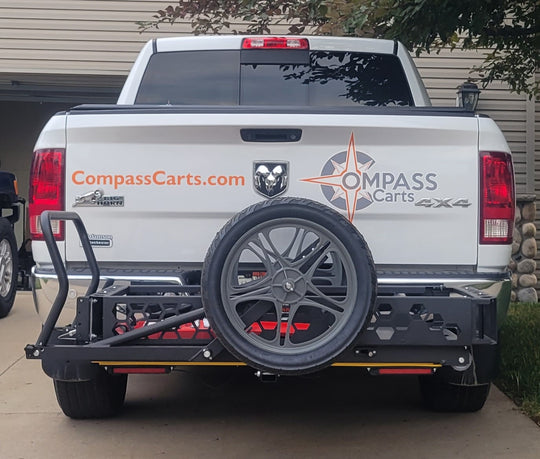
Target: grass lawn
column 519, row 374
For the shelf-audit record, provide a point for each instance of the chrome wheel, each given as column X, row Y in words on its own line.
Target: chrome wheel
column 6, row 267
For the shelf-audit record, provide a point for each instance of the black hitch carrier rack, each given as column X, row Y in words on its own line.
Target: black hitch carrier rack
column 144, row 325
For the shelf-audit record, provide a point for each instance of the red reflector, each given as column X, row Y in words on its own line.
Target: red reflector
column 497, row 205
column 46, row 190
column 198, row 330
column 405, row 371
column 275, row 43
column 267, row 325
column 140, row 370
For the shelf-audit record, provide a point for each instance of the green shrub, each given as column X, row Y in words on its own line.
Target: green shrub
column 519, row 374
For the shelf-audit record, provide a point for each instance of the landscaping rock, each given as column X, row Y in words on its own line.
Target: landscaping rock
column 529, row 211
column 529, row 248
column 528, row 230
column 527, row 266
column 528, row 280
column 527, row 295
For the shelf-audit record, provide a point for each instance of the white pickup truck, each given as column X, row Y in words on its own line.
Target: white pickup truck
column 286, row 203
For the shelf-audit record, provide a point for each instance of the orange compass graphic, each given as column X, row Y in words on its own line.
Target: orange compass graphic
column 341, row 180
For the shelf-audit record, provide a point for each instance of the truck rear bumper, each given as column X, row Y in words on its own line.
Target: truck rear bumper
column 45, row 287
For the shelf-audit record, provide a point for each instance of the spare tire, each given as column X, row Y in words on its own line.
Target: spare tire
column 287, row 285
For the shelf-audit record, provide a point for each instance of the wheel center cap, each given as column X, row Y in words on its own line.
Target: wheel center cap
column 288, row 285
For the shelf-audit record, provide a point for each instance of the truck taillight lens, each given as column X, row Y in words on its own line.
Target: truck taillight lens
column 275, row 43
column 497, row 205
column 46, row 190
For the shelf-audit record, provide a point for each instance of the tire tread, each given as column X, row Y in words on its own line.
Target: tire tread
column 447, row 397
column 100, row 397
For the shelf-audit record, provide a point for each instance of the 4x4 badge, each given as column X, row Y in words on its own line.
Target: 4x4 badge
column 270, row 178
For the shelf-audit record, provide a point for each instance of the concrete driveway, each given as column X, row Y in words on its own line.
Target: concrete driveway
column 229, row 414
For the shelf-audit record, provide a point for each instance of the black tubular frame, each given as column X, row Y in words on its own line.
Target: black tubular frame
column 58, row 264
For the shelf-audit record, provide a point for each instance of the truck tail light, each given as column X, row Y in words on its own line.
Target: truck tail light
column 275, row 43
column 497, row 206
column 46, row 190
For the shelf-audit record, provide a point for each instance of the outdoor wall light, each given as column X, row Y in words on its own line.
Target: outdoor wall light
column 467, row 96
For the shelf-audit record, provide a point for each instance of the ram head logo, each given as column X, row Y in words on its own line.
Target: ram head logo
column 271, row 178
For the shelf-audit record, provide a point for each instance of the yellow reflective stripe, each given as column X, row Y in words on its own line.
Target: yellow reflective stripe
column 239, row 364
column 164, row 364
column 386, row 365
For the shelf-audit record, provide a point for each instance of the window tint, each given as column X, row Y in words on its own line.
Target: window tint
column 191, row 78
column 272, row 85
column 356, row 78
column 219, row 78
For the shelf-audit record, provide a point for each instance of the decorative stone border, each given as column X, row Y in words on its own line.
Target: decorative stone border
column 524, row 248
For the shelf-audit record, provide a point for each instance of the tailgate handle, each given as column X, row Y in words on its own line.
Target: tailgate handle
column 271, row 135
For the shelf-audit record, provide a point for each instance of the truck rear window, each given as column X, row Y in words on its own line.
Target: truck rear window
column 261, row 77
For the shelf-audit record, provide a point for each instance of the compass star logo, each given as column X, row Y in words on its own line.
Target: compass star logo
column 341, row 180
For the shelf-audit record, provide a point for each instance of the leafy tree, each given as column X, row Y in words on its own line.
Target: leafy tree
column 507, row 28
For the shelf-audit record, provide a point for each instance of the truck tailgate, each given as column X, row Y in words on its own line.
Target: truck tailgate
column 156, row 187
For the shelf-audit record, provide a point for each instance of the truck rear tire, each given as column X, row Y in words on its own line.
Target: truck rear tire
column 100, row 397
column 8, row 267
column 440, row 395
column 287, row 285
